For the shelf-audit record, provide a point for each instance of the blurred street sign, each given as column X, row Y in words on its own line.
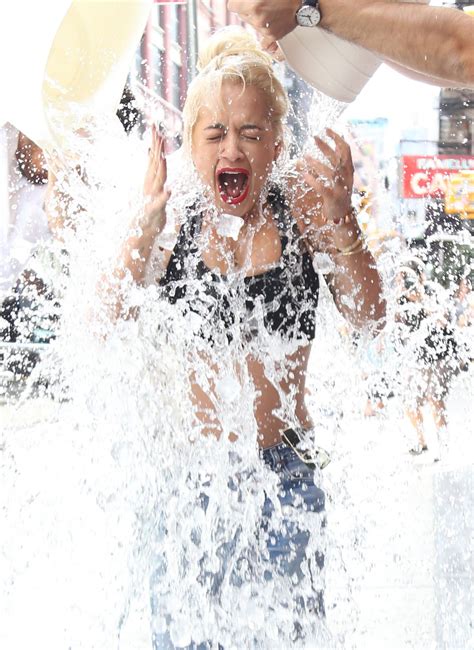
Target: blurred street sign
column 428, row 176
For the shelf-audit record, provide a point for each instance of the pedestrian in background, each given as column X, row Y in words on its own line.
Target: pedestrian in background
column 430, row 353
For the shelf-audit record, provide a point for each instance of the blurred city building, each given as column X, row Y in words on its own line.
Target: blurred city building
column 414, row 161
column 166, row 58
column 436, row 184
column 371, row 178
column 165, row 63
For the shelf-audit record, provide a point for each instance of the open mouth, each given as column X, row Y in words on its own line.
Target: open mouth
column 233, row 185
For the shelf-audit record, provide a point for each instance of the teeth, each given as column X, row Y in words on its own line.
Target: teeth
column 233, row 182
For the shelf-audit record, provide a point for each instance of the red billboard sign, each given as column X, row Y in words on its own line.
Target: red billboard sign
column 426, row 176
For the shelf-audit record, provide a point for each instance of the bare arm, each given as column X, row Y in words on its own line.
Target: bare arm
column 434, row 42
column 437, row 42
column 424, row 78
column 60, row 208
column 357, row 289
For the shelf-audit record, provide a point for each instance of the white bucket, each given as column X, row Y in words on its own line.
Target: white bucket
column 58, row 54
column 335, row 67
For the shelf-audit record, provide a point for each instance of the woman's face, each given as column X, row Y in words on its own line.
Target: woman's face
column 234, row 145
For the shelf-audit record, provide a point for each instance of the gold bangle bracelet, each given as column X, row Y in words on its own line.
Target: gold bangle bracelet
column 358, row 249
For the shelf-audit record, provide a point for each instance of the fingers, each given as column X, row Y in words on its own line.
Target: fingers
column 154, row 217
column 338, row 139
column 328, row 151
column 331, row 180
column 235, row 6
column 339, row 156
column 157, row 145
column 270, row 45
column 157, row 171
column 156, row 206
column 317, row 184
column 342, row 149
column 250, row 15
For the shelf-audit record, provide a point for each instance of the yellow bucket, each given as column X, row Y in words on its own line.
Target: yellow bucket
column 65, row 55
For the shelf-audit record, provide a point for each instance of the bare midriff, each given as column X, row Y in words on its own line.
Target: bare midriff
column 278, row 405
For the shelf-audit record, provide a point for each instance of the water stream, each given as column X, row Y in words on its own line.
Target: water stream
column 117, row 513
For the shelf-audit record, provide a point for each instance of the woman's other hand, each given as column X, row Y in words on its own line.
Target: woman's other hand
column 139, row 245
column 322, row 203
column 155, row 194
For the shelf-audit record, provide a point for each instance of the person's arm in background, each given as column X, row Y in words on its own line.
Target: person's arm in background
column 432, row 44
column 60, row 208
column 31, row 160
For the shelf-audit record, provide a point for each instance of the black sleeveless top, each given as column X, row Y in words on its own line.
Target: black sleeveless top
column 283, row 300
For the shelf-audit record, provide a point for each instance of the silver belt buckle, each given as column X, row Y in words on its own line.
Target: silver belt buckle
column 312, row 457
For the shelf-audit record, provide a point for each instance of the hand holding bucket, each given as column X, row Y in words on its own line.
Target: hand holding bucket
column 335, row 67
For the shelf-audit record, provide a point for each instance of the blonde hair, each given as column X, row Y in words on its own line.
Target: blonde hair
column 233, row 54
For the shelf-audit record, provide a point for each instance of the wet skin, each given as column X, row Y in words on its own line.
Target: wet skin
column 237, row 133
column 234, row 145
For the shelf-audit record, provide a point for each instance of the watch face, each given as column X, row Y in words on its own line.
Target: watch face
column 308, row 16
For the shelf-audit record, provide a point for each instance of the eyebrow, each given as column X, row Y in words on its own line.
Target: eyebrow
column 244, row 127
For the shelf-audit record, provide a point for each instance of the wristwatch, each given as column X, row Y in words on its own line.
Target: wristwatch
column 308, row 15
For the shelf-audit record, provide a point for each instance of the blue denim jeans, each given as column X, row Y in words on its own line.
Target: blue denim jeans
column 287, row 546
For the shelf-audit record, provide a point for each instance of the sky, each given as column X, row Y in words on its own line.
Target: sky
column 407, row 104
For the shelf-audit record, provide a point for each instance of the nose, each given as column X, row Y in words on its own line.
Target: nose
column 230, row 148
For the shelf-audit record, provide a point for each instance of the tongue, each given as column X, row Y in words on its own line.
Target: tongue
column 232, row 184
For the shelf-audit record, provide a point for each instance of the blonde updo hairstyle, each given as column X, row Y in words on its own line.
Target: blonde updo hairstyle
column 233, row 54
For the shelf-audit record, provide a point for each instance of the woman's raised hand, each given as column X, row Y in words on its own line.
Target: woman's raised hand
column 323, row 197
column 138, row 246
column 155, row 194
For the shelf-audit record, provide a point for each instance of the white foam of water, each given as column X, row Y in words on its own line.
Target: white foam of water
column 106, row 497
column 116, row 510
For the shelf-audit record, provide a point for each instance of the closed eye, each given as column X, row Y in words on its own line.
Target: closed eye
column 251, row 132
column 215, row 132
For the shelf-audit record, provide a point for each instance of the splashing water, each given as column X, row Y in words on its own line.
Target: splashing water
column 124, row 523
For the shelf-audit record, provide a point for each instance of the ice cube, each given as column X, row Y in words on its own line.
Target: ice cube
column 228, row 225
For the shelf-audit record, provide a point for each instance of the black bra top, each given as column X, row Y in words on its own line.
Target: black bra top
column 283, row 299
